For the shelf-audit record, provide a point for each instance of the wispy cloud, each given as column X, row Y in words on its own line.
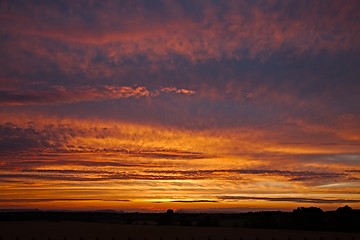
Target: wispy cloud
column 57, row 200
column 290, row 175
column 58, row 94
column 195, row 201
column 285, row 199
column 212, row 32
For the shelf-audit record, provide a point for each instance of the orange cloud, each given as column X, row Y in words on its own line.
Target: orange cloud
column 126, row 165
column 176, row 90
column 260, row 31
column 59, row 94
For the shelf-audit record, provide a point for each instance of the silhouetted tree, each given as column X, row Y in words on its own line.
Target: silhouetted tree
column 308, row 218
column 346, row 219
column 170, row 212
column 344, row 209
column 308, row 210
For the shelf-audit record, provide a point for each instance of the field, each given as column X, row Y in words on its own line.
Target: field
column 105, row 231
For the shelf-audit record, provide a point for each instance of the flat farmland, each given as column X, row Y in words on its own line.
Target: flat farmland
column 106, row 231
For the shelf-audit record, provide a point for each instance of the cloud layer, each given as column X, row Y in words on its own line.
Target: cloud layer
column 151, row 164
column 181, row 101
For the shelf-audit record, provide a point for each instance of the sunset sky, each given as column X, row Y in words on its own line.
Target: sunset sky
column 193, row 105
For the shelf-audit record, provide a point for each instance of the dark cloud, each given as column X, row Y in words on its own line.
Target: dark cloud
column 268, row 65
column 29, row 200
column 86, row 176
column 195, row 201
column 57, row 138
column 13, row 138
column 104, row 175
column 285, row 199
column 292, row 175
column 168, row 154
column 61, row 95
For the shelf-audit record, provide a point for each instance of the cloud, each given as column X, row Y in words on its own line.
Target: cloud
column 66, row 136
column 285, row 199
column 17, row 139
column 39, row 200
column 181, row 90
column 71, row 134
column 63, row 138
column 124, row 171
column 99, row 175
column 195, row 201
column 242, row 68
column 59, row 94
column 211, row 32
column 229, row 173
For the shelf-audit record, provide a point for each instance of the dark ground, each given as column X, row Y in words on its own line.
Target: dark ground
column 35, row 230
column 302, row 223
column 343, row 219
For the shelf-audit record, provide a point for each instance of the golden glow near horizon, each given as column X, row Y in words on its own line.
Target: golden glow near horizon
column 118, row 165
column 190, row 105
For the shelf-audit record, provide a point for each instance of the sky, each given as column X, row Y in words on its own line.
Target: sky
column 193, row 105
